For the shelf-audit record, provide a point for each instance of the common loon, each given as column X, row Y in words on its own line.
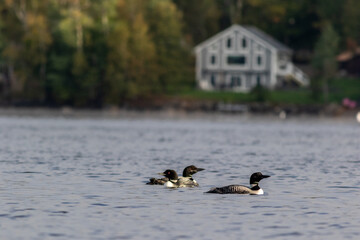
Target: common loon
column 186, row 178
column 173, row 179
column 157, row 181
column 239, row 189
column 176, row 182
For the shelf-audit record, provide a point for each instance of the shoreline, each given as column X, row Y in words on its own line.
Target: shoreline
column 277, row 112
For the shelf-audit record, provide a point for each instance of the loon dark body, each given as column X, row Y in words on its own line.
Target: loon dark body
column 240, row 189
column 157, row 181
column 185, row 181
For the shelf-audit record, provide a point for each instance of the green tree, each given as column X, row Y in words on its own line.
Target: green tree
column 351, row 22
column 140, row 70
column 260, row 93
column 74, row 28
column 201, row 19
column 331, row 11
column 165, row 28
column 118, row 53
column 27, row 39
column 131, row 71
column 324, row 61
column 77, row 60
column 285, row 20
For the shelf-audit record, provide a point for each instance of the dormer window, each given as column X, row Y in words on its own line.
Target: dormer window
column 244, row 43
column 213, row 60
column 259, row 60
column 229, row 42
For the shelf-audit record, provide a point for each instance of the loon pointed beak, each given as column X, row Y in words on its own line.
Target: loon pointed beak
column 200, row 169
column 265, row 176
column 162, row 174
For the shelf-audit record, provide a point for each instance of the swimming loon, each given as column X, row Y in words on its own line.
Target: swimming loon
column 173, row 179
column 186, row 178
column 176, row 182
column 157, row 181
column 239, row 189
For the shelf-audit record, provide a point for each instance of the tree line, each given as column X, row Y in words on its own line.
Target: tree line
column 98, row 53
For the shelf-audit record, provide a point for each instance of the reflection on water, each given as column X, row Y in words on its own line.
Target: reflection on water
column 85, row 179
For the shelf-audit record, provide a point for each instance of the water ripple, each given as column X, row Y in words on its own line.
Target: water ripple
column 84, row 178
column 287, row 234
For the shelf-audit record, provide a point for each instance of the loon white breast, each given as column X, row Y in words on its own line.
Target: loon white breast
column 240, row 189
column 173, row 181
column 185, row 181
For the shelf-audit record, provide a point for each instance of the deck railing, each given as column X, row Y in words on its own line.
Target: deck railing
column 296, row 73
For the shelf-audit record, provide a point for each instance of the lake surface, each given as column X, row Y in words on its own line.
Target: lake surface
column 85, row 178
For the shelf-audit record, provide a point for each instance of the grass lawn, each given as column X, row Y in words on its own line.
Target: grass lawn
column 230, row 97
column 339, row 88
column 344, row 88
column 299, row 96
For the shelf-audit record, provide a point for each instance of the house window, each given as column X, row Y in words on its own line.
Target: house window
column 212, row 80
column 229, row 43
column 236, row 60
column 213, row 60
column 244, row 43
column 235, row 81
column 259, row 60
column 258, row 80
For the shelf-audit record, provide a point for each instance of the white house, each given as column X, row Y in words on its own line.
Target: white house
column 241, row 57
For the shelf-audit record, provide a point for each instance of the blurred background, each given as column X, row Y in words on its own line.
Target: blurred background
column 81, row 174
column 89, row 53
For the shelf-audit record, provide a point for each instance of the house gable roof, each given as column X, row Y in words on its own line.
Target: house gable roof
column 272, row 42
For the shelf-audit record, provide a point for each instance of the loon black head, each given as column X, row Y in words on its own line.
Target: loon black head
column 256, row 177
column 190, row 170
column 170, row 174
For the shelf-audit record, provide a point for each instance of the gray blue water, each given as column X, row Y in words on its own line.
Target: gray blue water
column 85, row 179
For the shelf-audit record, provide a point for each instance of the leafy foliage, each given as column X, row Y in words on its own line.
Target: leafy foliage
column 96, row 53
column 324, row 60
column 260, row 93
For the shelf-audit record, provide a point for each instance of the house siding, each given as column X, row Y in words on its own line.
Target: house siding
column 217, row 72
column 239, row 57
